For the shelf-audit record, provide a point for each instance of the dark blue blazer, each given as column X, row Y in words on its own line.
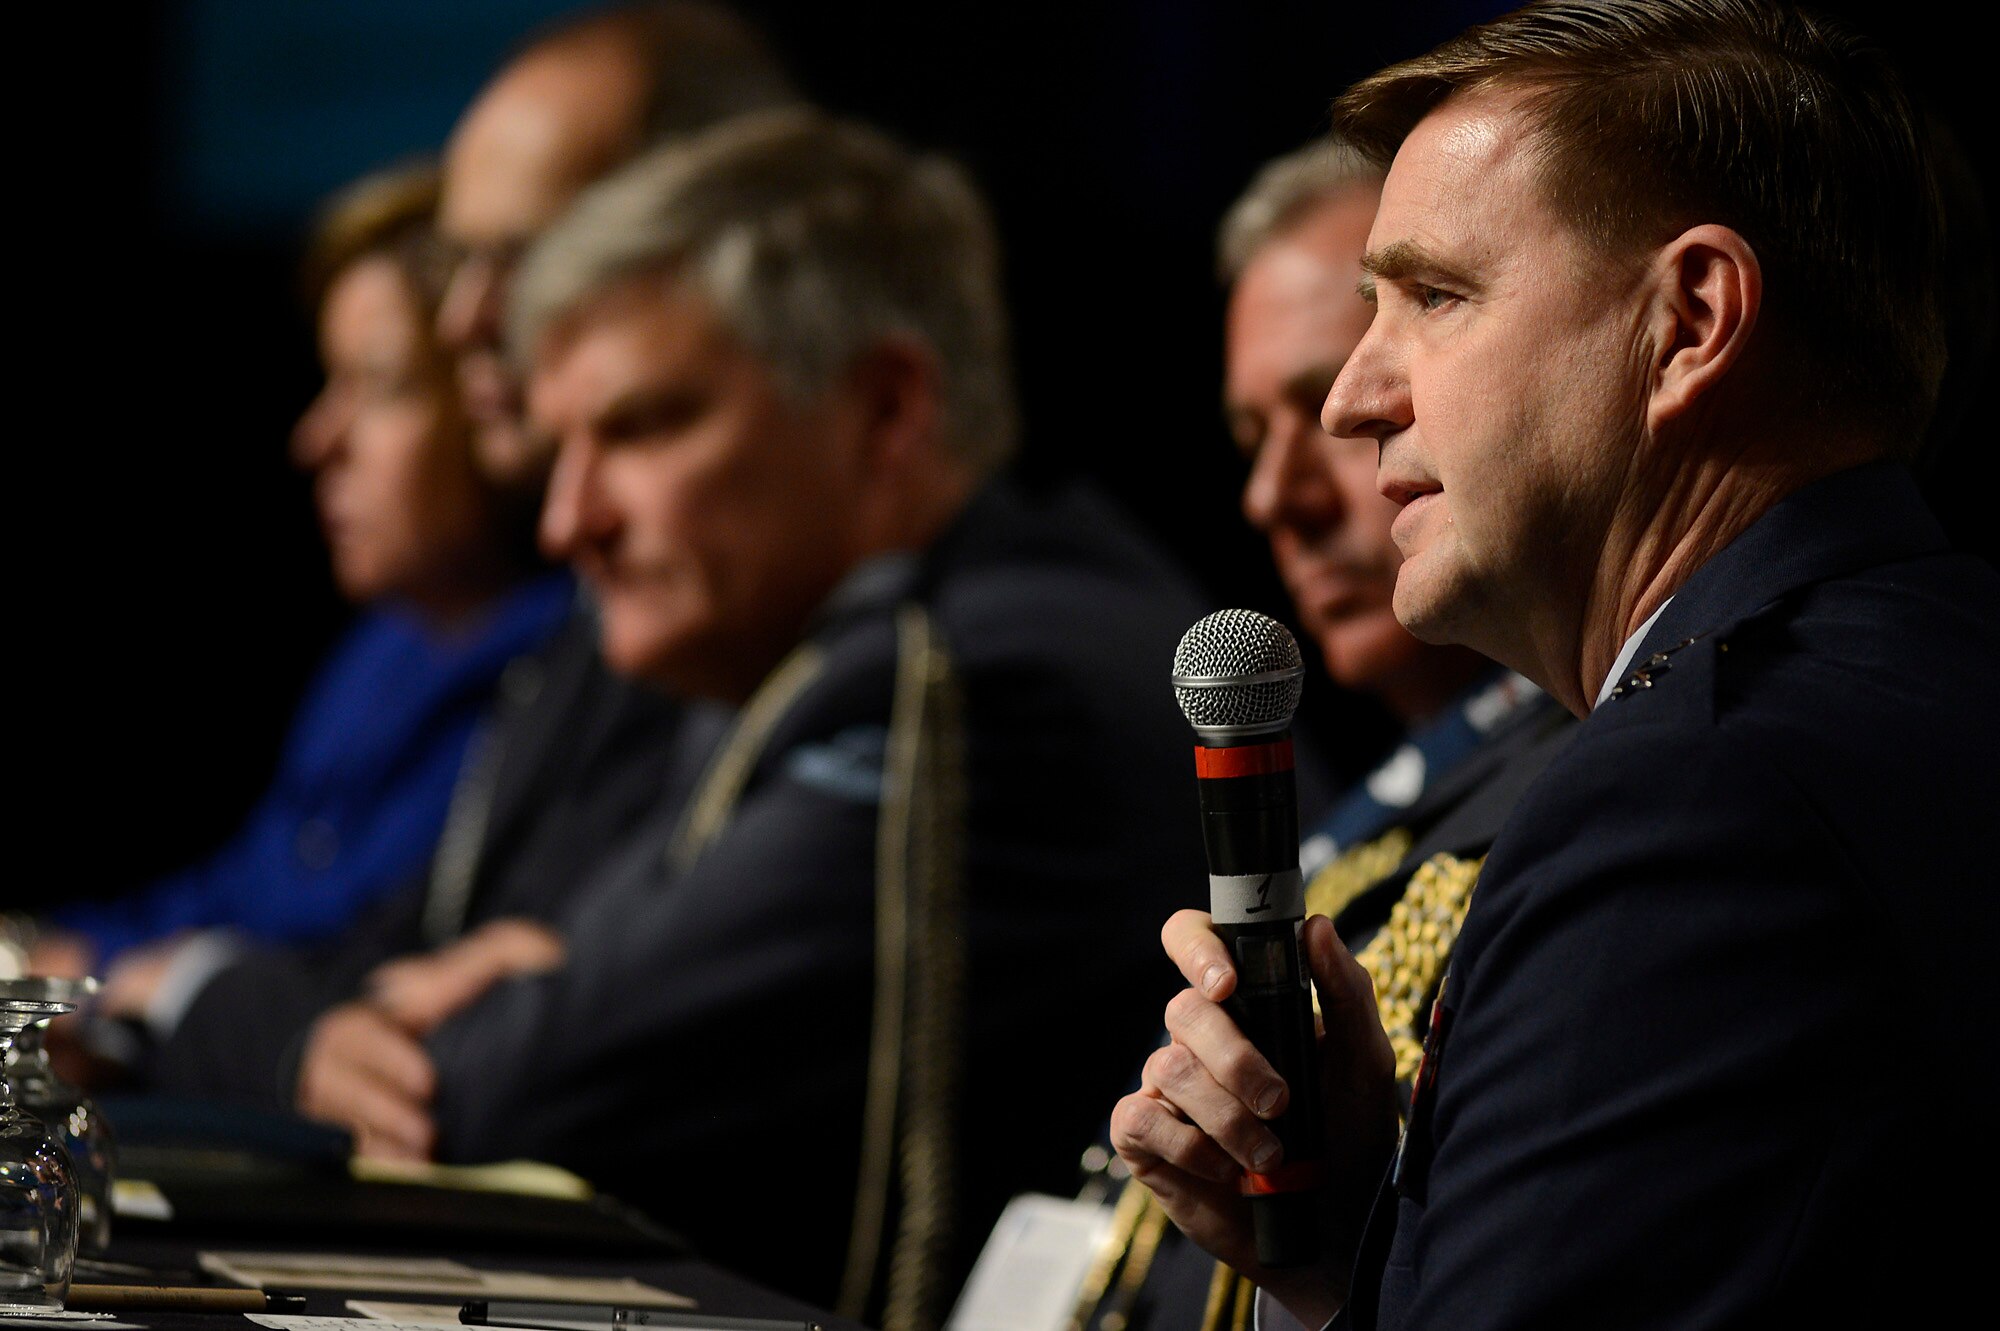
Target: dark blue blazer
column 704, row 1052
column 1717, row 1048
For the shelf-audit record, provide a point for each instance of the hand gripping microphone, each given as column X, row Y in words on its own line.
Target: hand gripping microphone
column 1237, row 676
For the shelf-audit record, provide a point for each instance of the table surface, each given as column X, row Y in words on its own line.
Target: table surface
column 171, row 1252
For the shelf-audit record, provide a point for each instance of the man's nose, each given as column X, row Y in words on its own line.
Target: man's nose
column 469, row 314
column 1370, row 399
column 573, row 510
column 1288, row 483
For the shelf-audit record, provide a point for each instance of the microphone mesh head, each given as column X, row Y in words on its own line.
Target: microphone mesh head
column 1238, row 670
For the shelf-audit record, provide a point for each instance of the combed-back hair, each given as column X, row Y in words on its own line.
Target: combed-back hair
column 1282, row 192
column 814, row 240
column 1651, row 116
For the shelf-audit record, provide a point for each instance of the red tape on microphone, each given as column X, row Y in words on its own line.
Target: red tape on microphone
column 1301, row 1176
column 1243, row 759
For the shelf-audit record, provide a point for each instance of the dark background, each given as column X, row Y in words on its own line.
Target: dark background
column 177, row 594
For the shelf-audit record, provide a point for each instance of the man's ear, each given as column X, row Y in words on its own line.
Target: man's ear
column 1710, row 288
column 896, row 391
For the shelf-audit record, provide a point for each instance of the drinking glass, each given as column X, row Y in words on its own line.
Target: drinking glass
column 38, row 1191
column 72, row 1116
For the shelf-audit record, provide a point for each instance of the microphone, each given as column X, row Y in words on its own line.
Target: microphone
column 1238, row 677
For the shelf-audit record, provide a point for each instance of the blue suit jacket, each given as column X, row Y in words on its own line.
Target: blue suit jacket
column 1717, row 1047
column 361, row 788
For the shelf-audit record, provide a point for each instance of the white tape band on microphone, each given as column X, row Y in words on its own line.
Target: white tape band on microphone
column 1252, row 898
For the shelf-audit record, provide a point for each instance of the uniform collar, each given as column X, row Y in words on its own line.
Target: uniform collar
column 1854, row 519
column 1626, row 653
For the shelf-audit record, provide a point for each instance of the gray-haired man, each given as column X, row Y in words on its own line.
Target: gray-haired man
column 772, row 363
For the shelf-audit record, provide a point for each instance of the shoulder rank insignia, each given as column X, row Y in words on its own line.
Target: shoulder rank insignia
column 1650, row 669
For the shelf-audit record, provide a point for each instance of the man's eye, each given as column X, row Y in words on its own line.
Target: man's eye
column 667, row 414
column 1434, row 298
column 1308, row 399
column 1246, row 431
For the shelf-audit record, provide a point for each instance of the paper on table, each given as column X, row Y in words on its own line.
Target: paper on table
column 528, row 1178
column 139, row 1199
column 1033, row 1266
column 324, row 1270
column 428, row 1275
column 292, row 1322
column 409, row 1314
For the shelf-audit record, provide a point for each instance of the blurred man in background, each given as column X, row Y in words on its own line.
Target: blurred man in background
column 581, row 98
column 773, row 364
column 573, row 758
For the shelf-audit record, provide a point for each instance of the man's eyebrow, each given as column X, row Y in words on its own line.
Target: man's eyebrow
column 669, row 403
column 1401, row 260
column 1395, row 259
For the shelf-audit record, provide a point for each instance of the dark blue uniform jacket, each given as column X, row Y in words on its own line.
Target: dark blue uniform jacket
column 1717, row 1047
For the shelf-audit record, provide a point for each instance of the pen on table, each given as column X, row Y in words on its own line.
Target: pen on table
column 607, row 1317
column 179, row 1298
